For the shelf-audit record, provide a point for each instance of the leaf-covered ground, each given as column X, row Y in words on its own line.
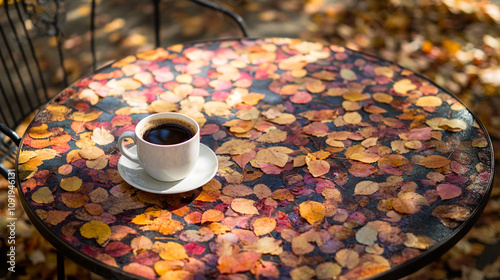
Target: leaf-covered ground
column 456, row 43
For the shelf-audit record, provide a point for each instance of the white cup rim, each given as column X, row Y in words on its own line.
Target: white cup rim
column 142, row 122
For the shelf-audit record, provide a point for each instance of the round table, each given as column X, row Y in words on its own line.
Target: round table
column 331, row 163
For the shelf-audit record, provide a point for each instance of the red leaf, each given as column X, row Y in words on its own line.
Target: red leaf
column 117, row 249
column 209, row 129
column 194, row 249
column 301, row 97
column 148, row 258
column 448, row 191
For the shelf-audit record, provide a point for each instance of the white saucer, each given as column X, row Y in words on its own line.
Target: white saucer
column 203, row 171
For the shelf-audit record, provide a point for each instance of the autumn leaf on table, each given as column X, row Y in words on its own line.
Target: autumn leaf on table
column 276, row 155
column 244, row 206
column 101, row 136
column 43, row 195
column 170, row 250
column 433, row 161
column 98, row 230
column 366, row 188
column 265, row 245
column 239, row 262
column 403, row 86
column 451, row 215
column 39, row 132
column 235, row 147
column 264, row 226
column 312, row 211
column 409, row 202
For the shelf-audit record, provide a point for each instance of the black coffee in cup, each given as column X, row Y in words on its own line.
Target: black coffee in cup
column 168, row 132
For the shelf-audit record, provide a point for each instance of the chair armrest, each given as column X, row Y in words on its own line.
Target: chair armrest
column 10, row 133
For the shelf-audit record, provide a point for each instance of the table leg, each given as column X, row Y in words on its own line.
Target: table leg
column 60, row 266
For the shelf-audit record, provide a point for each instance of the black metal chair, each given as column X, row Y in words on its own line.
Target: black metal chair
column 23, row 79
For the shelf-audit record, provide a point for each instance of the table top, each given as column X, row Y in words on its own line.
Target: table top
column 331, row 163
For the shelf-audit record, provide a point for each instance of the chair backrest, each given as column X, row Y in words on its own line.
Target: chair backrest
column 23, row 86
column 28, row 66
column 23, row 77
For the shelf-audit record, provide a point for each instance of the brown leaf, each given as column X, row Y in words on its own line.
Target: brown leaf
column 433, row 161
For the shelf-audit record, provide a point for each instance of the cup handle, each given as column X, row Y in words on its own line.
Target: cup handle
column 131, row 156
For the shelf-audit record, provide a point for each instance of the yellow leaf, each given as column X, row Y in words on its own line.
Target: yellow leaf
column 348, row 74
column 454, row 125
column 162, row 106
column 271, row 155
column 235, row 147
column 382, row 97
column 365, row 157
column 284, row 118
column 366, row 188
column 352, row 117
column 25, row 156
column 98, row 230
column 45, row 154
column 212, row 215
column 43, row 195
column 384, row 71
column 170, row 251
column 85, row 117
column 312, row 211
column 355, row 96
column 91, row 152
column 403, row 86
column 216, row 108
column 71, row 184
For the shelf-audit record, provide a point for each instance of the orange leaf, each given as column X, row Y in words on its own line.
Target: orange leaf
column 54, row 217
column 409, row 202
column 244, row 206
column 212, row 215
column 429, row 101
column 193, row 218
column 318, row 167
column 263, row 226
column 240, row 262
column 312, row 211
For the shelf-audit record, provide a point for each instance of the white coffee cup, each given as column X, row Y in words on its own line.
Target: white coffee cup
column 164, row 162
